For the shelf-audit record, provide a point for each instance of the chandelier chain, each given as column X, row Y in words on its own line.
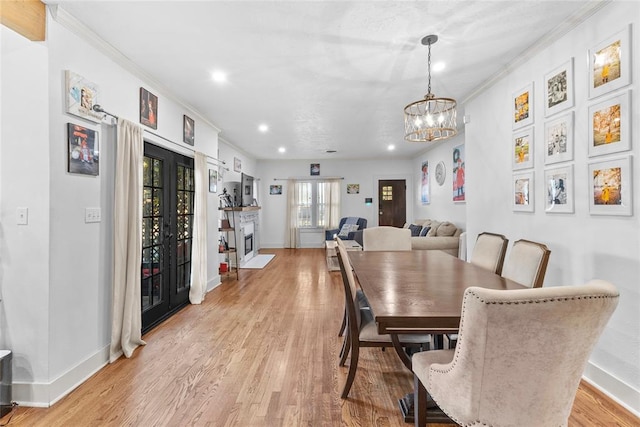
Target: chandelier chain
column 429, row 69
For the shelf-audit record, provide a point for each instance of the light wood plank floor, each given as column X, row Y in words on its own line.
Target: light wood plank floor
column 261, row 351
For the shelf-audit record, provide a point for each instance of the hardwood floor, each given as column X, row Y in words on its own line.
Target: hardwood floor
column 261, row 351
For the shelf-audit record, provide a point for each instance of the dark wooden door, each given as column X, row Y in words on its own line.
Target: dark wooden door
column 167, row 223
column 392, row 202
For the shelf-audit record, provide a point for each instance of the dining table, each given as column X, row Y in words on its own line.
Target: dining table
column 418, row 292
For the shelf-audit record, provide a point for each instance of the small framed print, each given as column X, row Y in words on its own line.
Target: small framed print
column 353, row 188
column 610, row 63
column 610, row 187
column 522, row 149
column 237, row 165
column 213, row 180
column 314, row 169
column 83, row 154
column 523, row 200
column 558, row 89
column 81, row 96
column 559, row 183
column 610, row 126
column 188, row 130
column 523, row 107
column 558, row 139
column 275, row 190
column 148, row 109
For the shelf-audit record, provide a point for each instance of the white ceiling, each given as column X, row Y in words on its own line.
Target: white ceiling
column 322, row 74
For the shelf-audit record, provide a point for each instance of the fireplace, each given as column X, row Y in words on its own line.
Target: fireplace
column 248, row 246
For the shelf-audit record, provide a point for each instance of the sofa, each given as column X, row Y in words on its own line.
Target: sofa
column 441, row 235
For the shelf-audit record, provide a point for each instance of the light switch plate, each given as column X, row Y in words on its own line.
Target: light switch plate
column 22, row 215
column 92, row 215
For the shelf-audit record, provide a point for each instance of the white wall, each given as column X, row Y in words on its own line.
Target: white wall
column 56, row 271
column 367, row 173
column 582, row 246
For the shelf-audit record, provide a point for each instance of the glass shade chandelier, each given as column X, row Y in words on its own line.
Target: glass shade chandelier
column 431, row 118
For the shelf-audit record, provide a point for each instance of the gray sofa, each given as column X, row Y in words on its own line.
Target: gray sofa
column 444, row 236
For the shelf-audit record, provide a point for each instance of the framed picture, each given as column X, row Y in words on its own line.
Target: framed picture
column 188, row 130
column 457, row 172
column 148, row 109
column 610, row 63
column 610, row 187
column 558, row 89
column 523, row 192
column 610, row 125
column 275, row 189
column 81, row 96
column 314, row 169
column 83, row 150
column 523, row 106
column 558, row 139
column 237, row 164
column 213, row 180
column 522, row 149
column 559, row 183
column 424, row 183
column 353, row 188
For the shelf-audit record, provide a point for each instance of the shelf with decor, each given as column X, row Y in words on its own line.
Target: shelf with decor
column 227, row 231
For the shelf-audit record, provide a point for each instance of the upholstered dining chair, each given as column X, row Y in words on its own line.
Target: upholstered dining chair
column 489, row 251
column 530, row 382
column 386, row 238
column 362, row 329
column 527, row 263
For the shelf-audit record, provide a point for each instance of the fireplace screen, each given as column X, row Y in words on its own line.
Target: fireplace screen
column 248, row 243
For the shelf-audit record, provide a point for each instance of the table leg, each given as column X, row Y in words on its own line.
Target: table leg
column 402, row 354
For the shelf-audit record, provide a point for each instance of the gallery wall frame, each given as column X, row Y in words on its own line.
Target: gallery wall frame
column 559, row 190
column 610, row 125
column 148, row 109
column 83, row 150
column 558, row 89
column 558, row 139
column 458, row 174
column 523, row 107
column 237, row 165
column 81, row 95
column 522, row 150
column 610, row 187
column 188, row 130
column 425, row 194
column 523, row 192
column 610, row 63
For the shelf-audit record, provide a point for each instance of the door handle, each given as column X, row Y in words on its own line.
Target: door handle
column 380, row 213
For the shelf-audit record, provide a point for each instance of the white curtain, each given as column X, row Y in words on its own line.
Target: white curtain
column 199, row 242
column 126, row 326
column 291, row 228
column 332, row 189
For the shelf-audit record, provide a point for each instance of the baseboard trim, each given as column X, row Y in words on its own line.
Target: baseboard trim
column 44, row 395
column 616, row 390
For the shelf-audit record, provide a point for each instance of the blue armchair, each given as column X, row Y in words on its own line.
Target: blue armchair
column 362, row 224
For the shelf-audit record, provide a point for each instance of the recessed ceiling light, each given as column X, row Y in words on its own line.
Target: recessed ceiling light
column 219, row 76
column 439, row 66
column 263, row 128
column 282, row 149
column 391, row 147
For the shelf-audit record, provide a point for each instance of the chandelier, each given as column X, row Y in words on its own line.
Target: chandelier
column 431, row 118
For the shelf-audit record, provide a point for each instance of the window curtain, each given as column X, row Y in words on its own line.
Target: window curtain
column 126, row 326
column 332, row 191
column 291, row 229
column 199, row 242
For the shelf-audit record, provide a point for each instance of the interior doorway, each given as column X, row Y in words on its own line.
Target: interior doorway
column 392, row 202
column 167, row 224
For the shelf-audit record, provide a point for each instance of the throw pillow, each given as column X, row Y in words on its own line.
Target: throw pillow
column 424, row 231
column 415, row 230
column 434, row 227
column 447, row 229
column 346, row 228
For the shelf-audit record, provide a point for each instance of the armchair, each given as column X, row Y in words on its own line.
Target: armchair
column 362, row 224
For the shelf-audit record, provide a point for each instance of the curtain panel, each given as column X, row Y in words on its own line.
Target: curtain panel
column 199, row 244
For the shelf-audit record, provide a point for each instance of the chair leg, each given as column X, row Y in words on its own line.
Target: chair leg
column 346, row 346
column 352, row 371
column 344, row 323
column 419, row 403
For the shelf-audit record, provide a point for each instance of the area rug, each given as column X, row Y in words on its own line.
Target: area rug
column 259, row 261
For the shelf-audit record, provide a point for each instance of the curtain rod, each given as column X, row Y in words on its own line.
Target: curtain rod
column 97, row 108
column 308, row 178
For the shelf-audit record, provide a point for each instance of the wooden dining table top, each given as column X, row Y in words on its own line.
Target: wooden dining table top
column 420, row 290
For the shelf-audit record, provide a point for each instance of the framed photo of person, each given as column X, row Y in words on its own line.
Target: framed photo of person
column 558, row 139
column 522, row 101
column 148, row 109
column 558, row 89
column 522, row 149
column 610, row 125
column 188, row 130
column 559, row 197
column 314, row 169
column 523, row 200
column 610, row 63
column 610, row 187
